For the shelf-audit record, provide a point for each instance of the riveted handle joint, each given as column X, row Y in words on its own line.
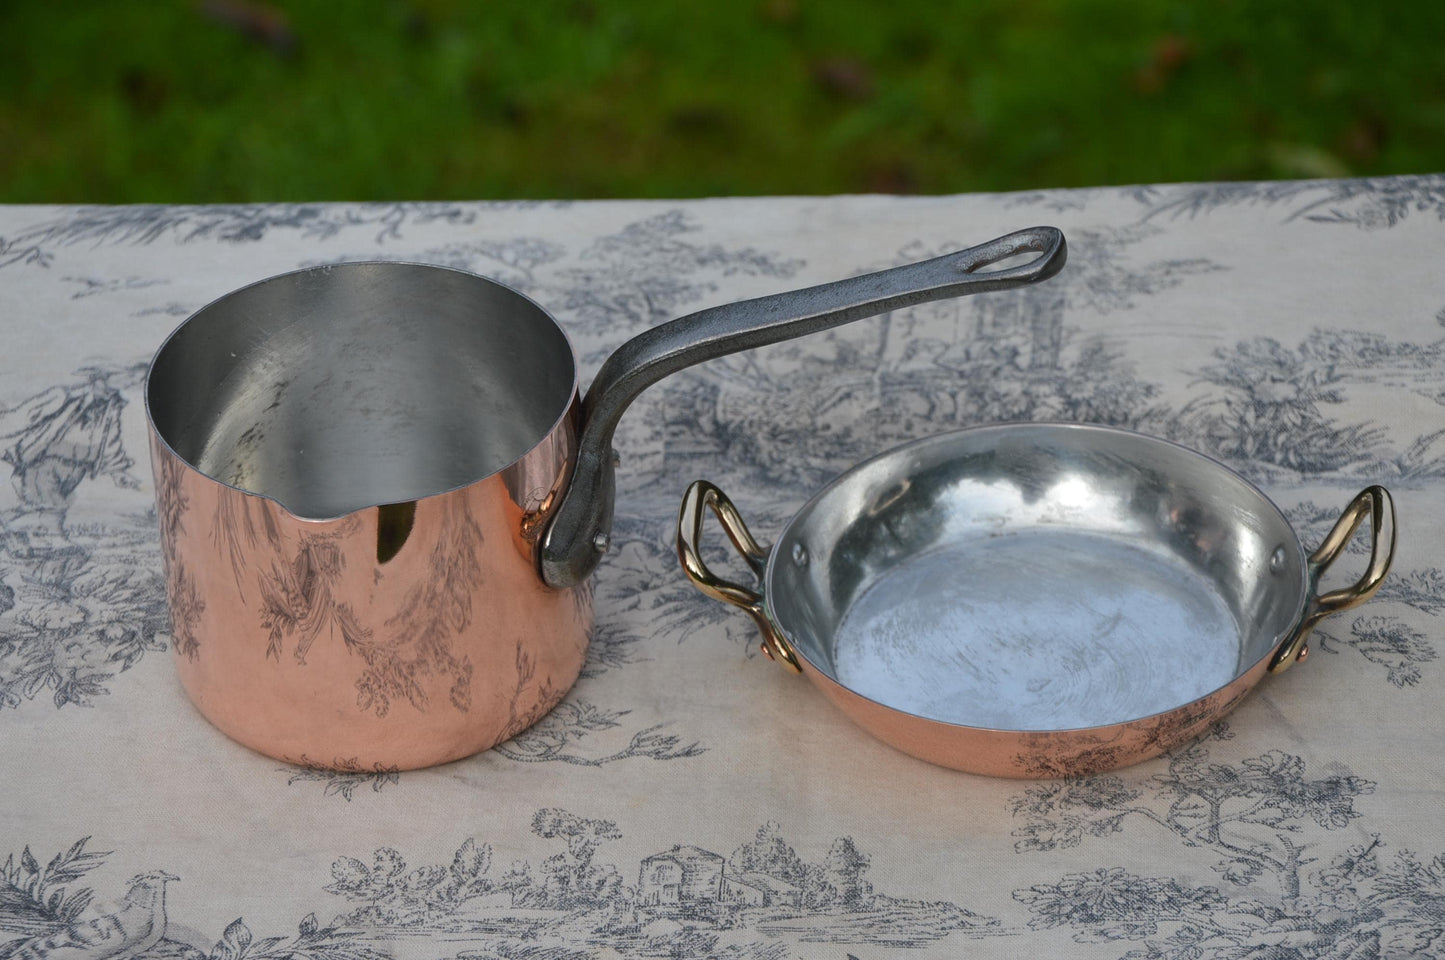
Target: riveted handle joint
column 702, row 497
column 1373, row 502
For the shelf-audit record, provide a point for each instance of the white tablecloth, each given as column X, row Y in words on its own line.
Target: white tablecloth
column 688, row 798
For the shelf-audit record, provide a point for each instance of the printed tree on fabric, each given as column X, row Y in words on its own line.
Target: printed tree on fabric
column 573, row 879
column 1255, row 815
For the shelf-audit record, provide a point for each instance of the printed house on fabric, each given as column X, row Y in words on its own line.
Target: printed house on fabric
column 1024, row 329
column 687, row 875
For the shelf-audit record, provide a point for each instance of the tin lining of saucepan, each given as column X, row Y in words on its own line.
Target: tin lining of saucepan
column 345, row 386
column 1036, row 577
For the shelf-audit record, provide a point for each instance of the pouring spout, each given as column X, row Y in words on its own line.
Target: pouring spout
column 579, row 532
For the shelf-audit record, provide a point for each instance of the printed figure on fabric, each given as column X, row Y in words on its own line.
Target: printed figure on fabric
column 79, row 602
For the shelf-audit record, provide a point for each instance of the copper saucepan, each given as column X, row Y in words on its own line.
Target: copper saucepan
column 1037, row 600
column 380, row 496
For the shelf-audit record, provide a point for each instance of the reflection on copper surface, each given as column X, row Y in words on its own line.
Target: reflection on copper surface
column 398, row 635
column 1038, row 754
column 536, row 483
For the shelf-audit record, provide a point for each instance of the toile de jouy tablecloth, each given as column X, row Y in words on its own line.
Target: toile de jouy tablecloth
column 688, row 798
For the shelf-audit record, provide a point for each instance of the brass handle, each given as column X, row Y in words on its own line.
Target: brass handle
column 1374, row 502
column 702, row 496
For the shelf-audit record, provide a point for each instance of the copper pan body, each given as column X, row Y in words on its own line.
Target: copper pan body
column 342, row 620
column 297, row 640
column 1037, row 600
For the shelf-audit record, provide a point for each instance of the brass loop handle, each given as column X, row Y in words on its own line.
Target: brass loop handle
column 702, row 496
column 1373, row 502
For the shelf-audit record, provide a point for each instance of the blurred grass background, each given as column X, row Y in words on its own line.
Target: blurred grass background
column 235, row 100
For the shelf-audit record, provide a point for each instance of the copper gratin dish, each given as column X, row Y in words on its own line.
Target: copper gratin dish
column 1037, row 600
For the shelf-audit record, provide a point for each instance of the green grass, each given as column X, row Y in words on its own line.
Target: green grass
column 128, row 102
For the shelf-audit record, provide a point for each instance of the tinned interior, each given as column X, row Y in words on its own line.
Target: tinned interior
column 1037, row 577
column 351, row 385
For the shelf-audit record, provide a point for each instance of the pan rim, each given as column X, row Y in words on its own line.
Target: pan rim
column 557, row 423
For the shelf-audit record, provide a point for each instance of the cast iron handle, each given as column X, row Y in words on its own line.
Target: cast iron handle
column 580, row 530
column 701, row 497
column 1375, row 503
